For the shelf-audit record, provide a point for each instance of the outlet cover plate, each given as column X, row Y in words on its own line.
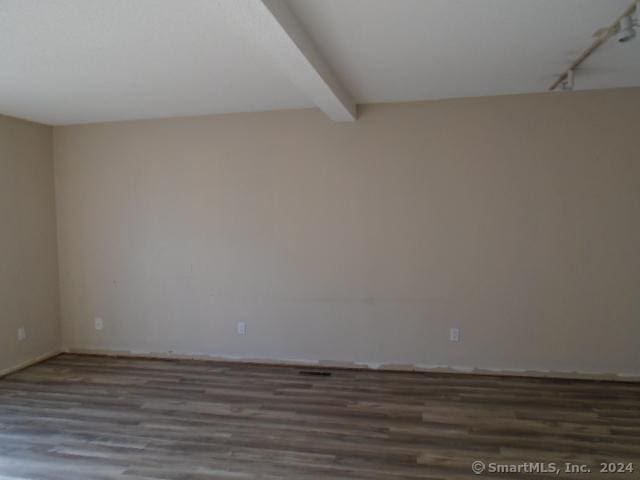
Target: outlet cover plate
column 454, row 335
column 242, row 328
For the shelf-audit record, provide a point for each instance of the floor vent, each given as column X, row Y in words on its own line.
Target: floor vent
column 316, row 373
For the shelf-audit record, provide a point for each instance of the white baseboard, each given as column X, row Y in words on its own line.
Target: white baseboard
column 569, row 375
column 28, row 363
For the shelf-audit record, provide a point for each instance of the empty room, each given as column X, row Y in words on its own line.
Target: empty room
column 319, row 239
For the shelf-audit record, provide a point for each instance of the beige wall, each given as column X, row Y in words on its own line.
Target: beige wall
column 28, row 250
column 516, row 219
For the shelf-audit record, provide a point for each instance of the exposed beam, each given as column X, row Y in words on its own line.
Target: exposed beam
column 277, row 30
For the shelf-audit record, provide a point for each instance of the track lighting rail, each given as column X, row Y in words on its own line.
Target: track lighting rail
column 604, row 35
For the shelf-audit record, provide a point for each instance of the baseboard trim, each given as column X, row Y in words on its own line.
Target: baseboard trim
column 555, row 375
column 29, row 363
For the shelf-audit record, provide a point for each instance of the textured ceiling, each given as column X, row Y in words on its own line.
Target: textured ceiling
column 77, row 61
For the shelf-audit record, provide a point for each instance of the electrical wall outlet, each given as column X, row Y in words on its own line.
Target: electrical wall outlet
column 22, row 334
column 454, row 335
column 242, row 328
column 99, row 324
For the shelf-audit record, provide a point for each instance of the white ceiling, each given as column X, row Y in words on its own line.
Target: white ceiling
column 77, row 61
column 395, row 50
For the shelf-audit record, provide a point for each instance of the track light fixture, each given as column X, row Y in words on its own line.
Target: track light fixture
column 627, row 26
column 567, row 83
column 624, row 27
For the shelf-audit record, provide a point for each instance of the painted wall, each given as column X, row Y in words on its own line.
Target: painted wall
column 516, row 219
column 28, row 248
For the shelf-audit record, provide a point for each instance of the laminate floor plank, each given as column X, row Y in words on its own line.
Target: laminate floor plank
column 109, row 418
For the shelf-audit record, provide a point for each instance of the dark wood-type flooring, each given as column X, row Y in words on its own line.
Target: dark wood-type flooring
column 89, row 417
